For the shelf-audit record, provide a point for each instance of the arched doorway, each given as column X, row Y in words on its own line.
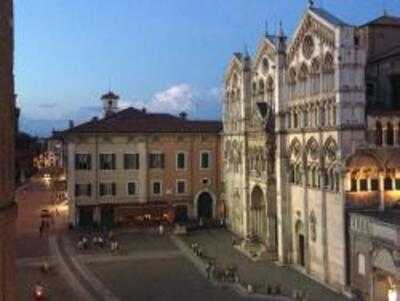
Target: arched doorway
column 300, row 241
column 205, row 206
column 258, row 217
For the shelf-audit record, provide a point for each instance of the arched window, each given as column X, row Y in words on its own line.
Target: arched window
column 261, row 87
column 378, row 133
column 389, row 134
column 254, row 89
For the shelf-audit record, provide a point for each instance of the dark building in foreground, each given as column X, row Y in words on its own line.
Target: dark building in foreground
column 8, row 209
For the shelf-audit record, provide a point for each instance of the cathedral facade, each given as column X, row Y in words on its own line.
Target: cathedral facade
column 294, row 113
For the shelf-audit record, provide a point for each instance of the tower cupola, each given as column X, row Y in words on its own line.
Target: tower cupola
column 110, row 103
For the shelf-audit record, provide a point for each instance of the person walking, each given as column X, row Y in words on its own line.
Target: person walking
column 41, row 230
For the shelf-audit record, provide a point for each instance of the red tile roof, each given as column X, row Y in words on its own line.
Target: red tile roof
column 132, row 120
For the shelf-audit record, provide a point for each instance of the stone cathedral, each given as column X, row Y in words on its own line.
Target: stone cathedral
column 303, row 132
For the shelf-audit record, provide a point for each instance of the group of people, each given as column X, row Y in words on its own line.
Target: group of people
column 99, row 241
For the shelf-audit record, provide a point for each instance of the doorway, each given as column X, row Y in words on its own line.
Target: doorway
column 205, row 206
column 301, row 260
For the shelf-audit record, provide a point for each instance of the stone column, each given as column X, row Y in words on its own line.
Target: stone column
column 381, row 192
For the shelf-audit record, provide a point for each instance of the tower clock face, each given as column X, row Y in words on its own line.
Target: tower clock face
column 308, row 47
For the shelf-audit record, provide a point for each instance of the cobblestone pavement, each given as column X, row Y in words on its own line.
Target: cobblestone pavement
column 218, row 244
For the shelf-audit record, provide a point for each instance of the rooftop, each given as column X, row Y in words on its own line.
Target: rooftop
column 384, row 20
column 132, row 120
column 324, row 14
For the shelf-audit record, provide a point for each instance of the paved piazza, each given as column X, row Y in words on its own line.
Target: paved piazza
column 147, row 267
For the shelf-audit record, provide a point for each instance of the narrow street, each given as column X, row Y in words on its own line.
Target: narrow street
column 33, row 249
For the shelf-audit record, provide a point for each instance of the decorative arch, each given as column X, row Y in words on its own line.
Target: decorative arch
column 315, row 66
column 312, row 148
column 196, row 201
column 331, row 148
column 362, row 159
column 265, row 65
column 328, row 66
column 303, row 72
column 292, row 76
column 261, row 87
column 295, row 147
column 270, row 84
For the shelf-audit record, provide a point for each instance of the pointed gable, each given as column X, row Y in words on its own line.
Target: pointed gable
column 317, row 22
column 266, row 49
column 235, row 66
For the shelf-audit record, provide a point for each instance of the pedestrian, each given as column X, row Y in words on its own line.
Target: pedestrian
column 161, row 229
column 41, row 230
column 208, row 269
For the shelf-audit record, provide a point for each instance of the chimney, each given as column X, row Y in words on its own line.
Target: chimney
column 70, row 124
column 183, row 115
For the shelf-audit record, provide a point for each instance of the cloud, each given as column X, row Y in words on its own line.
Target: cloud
column 199, row 103
column 175, row 99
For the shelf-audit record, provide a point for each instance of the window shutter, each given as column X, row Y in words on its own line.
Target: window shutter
column 76, row 190
column 89, row 190
column 101, row 189
column 125, row 161
column 162, row 160
column 89, row 161
column 114, row 188
column 76, row 161
column 137, row 161
column 113, row 161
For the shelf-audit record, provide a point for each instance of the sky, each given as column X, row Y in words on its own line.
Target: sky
column 166, row 55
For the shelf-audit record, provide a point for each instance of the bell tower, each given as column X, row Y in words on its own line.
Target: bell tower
column 110, row 103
